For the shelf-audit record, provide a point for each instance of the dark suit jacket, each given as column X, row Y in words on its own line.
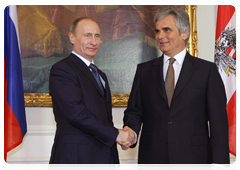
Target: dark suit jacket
column 85, row 132
column 179, row 134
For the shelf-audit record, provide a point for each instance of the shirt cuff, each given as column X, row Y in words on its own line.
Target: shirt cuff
column 136, row 138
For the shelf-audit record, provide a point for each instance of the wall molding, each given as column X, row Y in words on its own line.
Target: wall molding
column 41, row 130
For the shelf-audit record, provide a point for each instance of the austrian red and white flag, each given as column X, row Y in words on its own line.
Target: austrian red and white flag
column 225, row 59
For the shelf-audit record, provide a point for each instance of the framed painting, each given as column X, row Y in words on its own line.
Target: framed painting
column 127, row 33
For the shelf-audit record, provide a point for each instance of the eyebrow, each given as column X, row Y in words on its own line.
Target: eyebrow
column 89, row 33
column 164, row 28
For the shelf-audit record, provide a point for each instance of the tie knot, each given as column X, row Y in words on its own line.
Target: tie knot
column 171, row 60
column 93, row 67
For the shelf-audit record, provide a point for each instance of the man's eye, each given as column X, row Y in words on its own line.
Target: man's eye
column 156, row 31
column 87, row 35
column 167, row 29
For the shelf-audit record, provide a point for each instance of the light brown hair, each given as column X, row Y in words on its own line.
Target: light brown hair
column 75, row 23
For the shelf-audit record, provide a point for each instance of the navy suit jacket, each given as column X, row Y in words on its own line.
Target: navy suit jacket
column 179, row 134
column 83, row 115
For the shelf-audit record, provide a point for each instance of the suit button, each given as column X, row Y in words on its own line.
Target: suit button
column 169, row 123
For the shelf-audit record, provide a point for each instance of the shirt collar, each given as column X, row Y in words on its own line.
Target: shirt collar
column 83, row 59
column 179, row 57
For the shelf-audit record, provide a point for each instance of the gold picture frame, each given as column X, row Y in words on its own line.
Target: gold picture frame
column 119, row 100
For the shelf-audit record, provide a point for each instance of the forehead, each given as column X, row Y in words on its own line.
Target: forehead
column 167, row 21
column 88, row 26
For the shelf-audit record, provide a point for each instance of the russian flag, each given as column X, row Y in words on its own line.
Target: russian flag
column 15, row 126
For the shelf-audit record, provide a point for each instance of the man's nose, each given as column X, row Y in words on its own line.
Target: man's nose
column 159, row 35
column 93, row 40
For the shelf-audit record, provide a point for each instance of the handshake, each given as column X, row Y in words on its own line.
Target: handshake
column 126, row 137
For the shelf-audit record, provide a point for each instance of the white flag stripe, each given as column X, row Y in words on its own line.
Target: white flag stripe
column 13, row 16
column 232, row 21
column 232, row 52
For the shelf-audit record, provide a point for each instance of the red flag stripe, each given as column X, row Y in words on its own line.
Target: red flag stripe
column 225, row 13
column 11, row 129
column 11, row 125
column 231, row 110
column 229, row 50
column 234, row 55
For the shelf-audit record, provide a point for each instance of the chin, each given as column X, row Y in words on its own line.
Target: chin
column 164, row 51
column 92, row 54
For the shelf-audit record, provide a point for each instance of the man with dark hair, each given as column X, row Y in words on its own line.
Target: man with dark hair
column 179, row 100
column 82, row 103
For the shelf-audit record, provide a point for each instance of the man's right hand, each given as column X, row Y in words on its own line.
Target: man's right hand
column 126, row 141
column 122, row 137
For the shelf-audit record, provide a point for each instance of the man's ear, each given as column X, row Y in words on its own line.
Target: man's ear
column 185, row 35
column 71, row 37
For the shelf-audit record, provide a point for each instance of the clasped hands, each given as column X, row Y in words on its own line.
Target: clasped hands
column 126, row 137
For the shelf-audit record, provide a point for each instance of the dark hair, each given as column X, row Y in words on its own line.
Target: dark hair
column 180, row 16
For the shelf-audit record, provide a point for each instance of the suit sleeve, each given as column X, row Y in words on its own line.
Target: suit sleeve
column 115, row 155
column 68, row 96
column 133, row 113
column 216, row 100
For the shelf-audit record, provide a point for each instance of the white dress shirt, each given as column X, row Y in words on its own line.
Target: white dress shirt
column 177, row 65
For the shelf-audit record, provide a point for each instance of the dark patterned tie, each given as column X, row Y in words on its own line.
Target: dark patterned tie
column 169, row 81
column 96, row 76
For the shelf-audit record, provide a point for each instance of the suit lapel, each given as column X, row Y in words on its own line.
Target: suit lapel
column 108, row 96
column 107, row 88
column 157, row 73
column 85, row 70
column 188, row 68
